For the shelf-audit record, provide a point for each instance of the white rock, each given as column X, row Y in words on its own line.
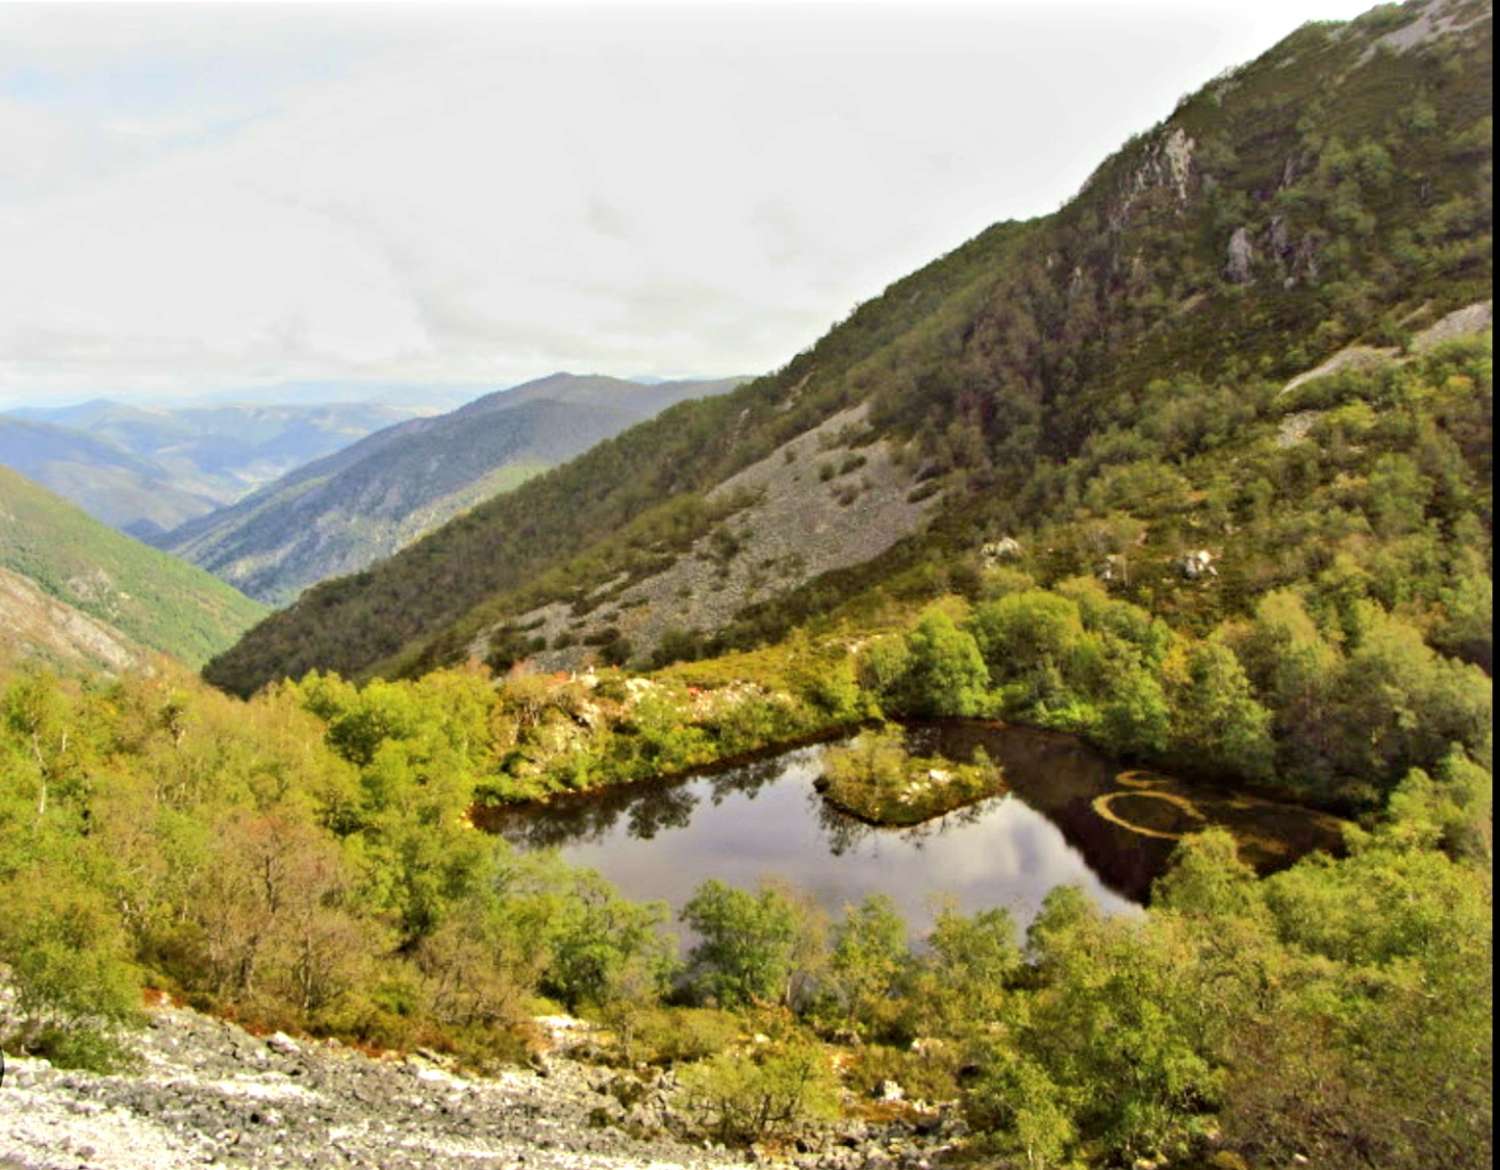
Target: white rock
column 284, row 1044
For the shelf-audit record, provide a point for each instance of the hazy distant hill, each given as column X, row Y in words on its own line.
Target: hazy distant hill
column 148, row 469
column 151, row 598
column 100, row 476
column 1333, row 195
column 339, row 514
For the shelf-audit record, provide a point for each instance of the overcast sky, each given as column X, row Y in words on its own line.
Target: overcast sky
column 202, row 197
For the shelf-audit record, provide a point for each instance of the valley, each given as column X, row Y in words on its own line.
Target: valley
column 1045, row 724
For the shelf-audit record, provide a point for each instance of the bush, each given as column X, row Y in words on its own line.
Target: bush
column 947, row 675
column 671, row 1035
column 68, row 960
column 742, row 1096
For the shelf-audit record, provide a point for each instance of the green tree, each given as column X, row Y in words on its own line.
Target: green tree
column 752, row 948
column 946, row 675
column 868, row 959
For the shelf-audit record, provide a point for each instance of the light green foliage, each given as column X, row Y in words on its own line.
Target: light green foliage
column 883, row 666
column 742, row 1096
column 959, row 982
column 1026, row 633
column 601, row 946
column 753, row 948
column 1216, row 714
column 302, row 860
column 70, row 965
column 1016, row 1099
column 646, row 1032
column 868, row 958
column 1381, row 1046
column 154, row 599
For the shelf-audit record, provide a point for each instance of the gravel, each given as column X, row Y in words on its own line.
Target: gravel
column 208, row 1093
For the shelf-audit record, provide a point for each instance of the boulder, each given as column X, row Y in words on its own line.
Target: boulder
column 1005, row 549
column 1198, row 564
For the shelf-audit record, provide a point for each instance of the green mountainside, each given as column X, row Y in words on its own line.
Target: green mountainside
column 151, row 598
column 37, row 628
column 1334, row 192
column 146, row 470
column 338, row 514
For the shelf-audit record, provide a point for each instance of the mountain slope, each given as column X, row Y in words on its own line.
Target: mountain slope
column 189, row 460
column 101, row 477
column 149, row 597
column 339, row 514
column 36, row 627
column 1337, row 190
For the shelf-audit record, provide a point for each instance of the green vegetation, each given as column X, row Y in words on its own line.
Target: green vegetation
column 1105, row 387
column 876, row 779
column 151, row 598
column 303, row 861
column 1109, row 341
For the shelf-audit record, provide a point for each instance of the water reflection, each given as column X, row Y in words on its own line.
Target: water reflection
column 1069, row 816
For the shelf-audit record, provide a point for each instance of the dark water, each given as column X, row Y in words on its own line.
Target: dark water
column 1065, row 815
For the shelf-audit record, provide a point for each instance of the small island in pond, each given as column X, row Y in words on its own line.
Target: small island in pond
column 875, row 778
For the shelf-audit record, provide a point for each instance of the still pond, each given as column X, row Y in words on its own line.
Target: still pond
column 1063, row 814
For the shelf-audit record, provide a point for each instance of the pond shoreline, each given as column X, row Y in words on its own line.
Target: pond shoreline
column 480, row 812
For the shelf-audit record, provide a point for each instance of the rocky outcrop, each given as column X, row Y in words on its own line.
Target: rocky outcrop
column 817, row 503
column 1167, row 164
column 993, row 552
column 1241, row 257
column 1466, row 322
column 1198, row 564
column 35, row 625
column 1469, row 321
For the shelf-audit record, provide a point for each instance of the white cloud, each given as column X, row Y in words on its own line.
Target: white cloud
column 212, row 195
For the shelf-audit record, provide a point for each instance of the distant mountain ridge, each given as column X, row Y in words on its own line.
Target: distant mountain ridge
column 145, row 470
column 129, row 592
column 1334, row 192
column 103, row 478
column 341, row 513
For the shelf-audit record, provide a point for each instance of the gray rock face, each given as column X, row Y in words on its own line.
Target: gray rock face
column 1241, row 257
column 207, row 1093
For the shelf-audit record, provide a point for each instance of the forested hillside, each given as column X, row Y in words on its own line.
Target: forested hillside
column 338, row 514
column 1335, row 191
column 151, row 598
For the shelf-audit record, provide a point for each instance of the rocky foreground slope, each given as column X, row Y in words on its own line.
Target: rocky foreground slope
column 208, row 1093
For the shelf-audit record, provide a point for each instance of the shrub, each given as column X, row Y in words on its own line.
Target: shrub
column 947, row 675
column 742, row 1096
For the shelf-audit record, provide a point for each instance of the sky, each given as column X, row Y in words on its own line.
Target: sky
column 209, row 198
